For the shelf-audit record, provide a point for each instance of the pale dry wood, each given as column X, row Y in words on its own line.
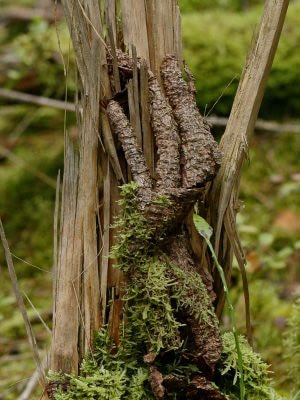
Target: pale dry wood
column 234, row 143
column 135, row 84
column 164, row 31
column 135, row 27
column 105, row 240
column 110, row 277
column 148, row 140
column 55, row 241
column 110, row 18
column 114, row 54
column 115, row 275
column 110, row 148
column 64, row 351
column 78, row 286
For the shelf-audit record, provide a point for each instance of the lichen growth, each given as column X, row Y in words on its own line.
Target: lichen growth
column 256, row 372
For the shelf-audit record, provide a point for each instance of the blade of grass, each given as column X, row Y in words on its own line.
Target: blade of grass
column 205, row 230
column 21, row 305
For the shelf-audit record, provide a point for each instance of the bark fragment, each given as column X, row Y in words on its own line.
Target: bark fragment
column 200, row 155
column 200, row 388
column 167, row 138
column 156, row 380
column 134, row 156
column 204, row 342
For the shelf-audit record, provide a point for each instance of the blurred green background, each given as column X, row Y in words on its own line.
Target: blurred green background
column 217, row 36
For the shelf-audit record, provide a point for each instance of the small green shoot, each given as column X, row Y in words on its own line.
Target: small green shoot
column 205, row 230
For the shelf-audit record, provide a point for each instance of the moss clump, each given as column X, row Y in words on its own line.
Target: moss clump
column 154, row 282
column 292, row 344
column 156, row 289
column 216, row 60
column 256, row 374
column 107, row 374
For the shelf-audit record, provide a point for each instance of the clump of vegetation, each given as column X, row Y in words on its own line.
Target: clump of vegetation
column 189, row 6
column 292, row 344
column 39, row 58
column 217, row 62
column 153, row 281
column 256, row 374
column 150, row 326
column 108, row 373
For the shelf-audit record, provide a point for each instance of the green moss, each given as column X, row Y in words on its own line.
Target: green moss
column 108, row 373
column 153, row 284
column 155, row 290
column 215, row 59
column 38, row 55
column 256, row 374
column 292, row 345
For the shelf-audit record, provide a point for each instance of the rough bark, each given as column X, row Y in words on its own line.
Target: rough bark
column 203, row 344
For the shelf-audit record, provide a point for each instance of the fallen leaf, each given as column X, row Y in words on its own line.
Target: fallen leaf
column 288, row 221
column 253, row 262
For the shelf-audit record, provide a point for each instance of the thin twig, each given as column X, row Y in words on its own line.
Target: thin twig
column 270, row 126
column 39, row 100
column 21, row 304
column 40, row 175
column 26, row 14
column 38, row 314
column 33, row 381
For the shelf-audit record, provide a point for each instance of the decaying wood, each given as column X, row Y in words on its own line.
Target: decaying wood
column 203, row 346
column 200, row 154
column 167, row 138
column 201, row 388
column 156, row 380
column 223, row 197
column 204, row 342
column 78, row 294
column 133, row 152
